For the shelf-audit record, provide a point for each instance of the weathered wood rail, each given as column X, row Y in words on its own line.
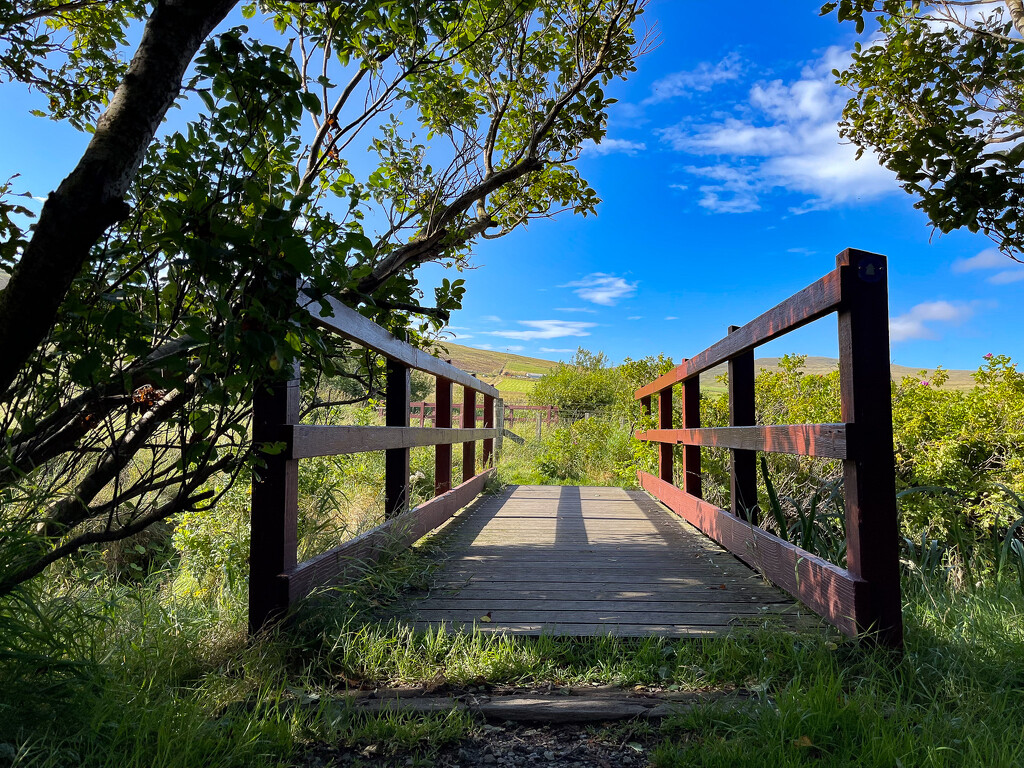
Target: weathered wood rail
column 865, row 596
column 276, row 579
column 424, row 411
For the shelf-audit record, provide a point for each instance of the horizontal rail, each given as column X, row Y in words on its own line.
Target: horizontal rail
column 827, row 589
column 349, row 560
column 814, row 301
column 825, row 440
column 309, row 441
column 348, row 323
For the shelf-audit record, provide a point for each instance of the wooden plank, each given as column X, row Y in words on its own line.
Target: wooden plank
column 348, row 323
column 577, row 630
column 816, row 300
column 443, row 451
column 823, row 440
column 569, row 608
column 488, row 448
column 349, row 560
column 593, row 617
column 309, row 440
column 735, row 594
column 872, row 533
column 827, row 589
column 743, row 470
column 275, row 505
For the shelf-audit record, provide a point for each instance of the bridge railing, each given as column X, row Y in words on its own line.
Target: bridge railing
column 276, row 579
column 865, row 596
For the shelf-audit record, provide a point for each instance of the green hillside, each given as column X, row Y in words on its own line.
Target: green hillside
column 504, row 370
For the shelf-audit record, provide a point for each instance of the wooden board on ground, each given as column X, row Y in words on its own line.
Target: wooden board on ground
column 591, row 561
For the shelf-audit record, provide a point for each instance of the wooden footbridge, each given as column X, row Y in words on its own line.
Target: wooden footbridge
column 592, row 561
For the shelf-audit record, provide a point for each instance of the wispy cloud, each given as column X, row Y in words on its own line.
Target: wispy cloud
column 701, row 79
column 915, row 324
column 499, row 348
column 490, row 319
column 671, row 317
column 613, row 147
column 560, row 351
column 635, row 317
column 545, row 329
column 784, row 137
column 588, row 310
column 1009, row 270
column 603, row 289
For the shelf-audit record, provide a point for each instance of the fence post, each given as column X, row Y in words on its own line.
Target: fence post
column 468, row 422
column 743, row 477
column 488, row 455
column 665, row 463
column 691, row 420
column 872, row 532
column 443, row 453
column 396, row 460
column 499, row 411
column 540, row 420
column 273, row 541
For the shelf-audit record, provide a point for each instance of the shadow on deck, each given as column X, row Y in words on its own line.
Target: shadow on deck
column 583, row 561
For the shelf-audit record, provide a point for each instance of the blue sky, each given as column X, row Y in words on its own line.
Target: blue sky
column 725, row 189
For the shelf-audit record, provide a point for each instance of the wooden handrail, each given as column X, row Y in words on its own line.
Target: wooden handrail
column 865, row 596
column 276, row 579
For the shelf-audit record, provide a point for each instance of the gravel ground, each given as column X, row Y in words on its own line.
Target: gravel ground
column 506, row 746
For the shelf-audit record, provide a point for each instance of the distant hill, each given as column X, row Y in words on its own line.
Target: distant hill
column 507, row 371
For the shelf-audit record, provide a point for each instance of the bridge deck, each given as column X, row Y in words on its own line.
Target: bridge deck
column 590, row 561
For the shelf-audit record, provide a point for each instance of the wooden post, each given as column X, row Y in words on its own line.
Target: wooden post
column 468, row 422
column 499, row 409
column 488, row 456
column 665, row 468
column 443, row 453
column 872, row 533
column 743, row 478
column 273, row 541
column 691, row 420
column 396, row 460
column 540, row 420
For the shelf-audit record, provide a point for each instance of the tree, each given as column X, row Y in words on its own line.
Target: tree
column 938, row 98
column 158, row 286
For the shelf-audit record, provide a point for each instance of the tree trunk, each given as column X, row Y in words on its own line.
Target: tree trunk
column 91, row 198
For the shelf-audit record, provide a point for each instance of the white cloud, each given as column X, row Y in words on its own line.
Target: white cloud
column 783, row 136
column 499, row 348
column 490, row 319
column 613, row 147
column 635, row 317
column 914, row 324
column 1008, row 276
column 588, row 310
column 603, row 289
column 560, row 351
column 991, row 258
column 698, row 80
column 545, row 329
column 671, row 317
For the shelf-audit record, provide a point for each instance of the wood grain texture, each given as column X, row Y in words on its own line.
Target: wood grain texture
column 586, row 561
column 743, row 469
column 827, row 589
column 814, row 301
column 309, row 441
column 349, row 560
column 396, row 460
column 824, row 440
column 346, row 322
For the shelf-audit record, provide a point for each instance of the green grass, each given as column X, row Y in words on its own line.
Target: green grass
column 129, row 676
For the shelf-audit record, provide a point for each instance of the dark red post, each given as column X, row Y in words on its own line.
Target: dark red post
column 469, row 422
column 691, row 420
column 273, row 541
column 488, row 455
column 665, row 468
column 743, row 478
column 872, row 533
column 396, row 460
column 443, row 453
